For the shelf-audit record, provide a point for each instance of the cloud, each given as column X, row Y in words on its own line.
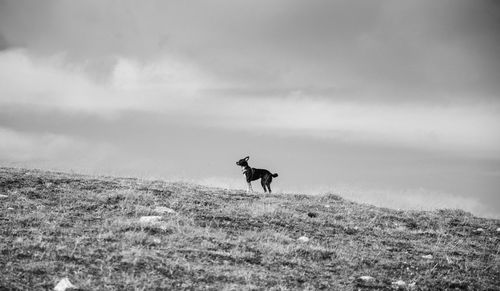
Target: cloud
column 54, row 83
column 424, row 46
column 454, row 129
column 180, row 90
column 50, row 150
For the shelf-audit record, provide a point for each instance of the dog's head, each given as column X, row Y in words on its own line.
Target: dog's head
column 243, row 162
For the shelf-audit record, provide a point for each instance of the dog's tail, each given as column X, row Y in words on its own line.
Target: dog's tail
column 274, row 175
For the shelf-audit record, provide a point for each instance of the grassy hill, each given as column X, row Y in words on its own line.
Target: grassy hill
column 92, row 230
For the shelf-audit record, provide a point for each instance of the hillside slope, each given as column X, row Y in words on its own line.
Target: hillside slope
column 106, row 233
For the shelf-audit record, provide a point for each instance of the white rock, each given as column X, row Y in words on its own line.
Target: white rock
column 3, row 196
column 154, row 221
column 327, row 206
column 163, row 210
column 303, row 239
column 498, row 229
column 427, row 257
column 64, row 284
column 399, row 283
column 366, row 278
column 149, row 219
column 479, row 230
column 10, row 208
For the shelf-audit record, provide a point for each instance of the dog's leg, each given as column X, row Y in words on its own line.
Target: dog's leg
column 249, row 188
column 266, row 182
column 263, row 183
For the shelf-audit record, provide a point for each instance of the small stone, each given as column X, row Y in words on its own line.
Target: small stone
column 366, row 278
column 479, row 230
column 64, row 284
column 10, row 208
column 154, row 222
column 312, row 214
column 327, row 206
column 399, row 283
column 163, row 210
column 412, row 285
column 303, row 239
column 3, row 196
column 427, row 257
column 498, row 229
column 149, row 219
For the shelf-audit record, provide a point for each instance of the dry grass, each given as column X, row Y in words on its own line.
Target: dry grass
column 56, row 225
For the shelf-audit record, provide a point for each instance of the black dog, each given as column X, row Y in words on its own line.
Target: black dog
column 252, row 174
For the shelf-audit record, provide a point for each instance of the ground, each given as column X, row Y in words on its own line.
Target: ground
column 92, row 231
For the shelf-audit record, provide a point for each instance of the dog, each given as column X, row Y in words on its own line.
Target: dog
column 252, row 174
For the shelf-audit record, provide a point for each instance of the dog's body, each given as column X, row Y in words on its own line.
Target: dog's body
column 252, row 174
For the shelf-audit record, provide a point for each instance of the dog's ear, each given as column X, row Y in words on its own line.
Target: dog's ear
column 246, row 158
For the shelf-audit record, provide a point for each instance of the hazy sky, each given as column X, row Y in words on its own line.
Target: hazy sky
column 395, row 103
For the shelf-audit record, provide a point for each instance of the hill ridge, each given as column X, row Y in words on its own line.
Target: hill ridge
column 89, row 229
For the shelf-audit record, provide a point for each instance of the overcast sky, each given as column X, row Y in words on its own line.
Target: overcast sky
column 389, row 102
